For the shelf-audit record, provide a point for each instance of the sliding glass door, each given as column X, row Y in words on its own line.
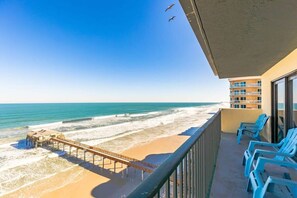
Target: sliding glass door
column 284, row 106
column 292, row 89
column 279, row 111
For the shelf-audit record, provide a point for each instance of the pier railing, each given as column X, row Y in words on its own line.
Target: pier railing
column 188, row 172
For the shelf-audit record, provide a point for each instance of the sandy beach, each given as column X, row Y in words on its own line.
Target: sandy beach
column 95, row 182
column 44, row 172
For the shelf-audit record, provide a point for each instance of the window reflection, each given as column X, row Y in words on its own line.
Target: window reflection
column 280, row 111
column 294, row 105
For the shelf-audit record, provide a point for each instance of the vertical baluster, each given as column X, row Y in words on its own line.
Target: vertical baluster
column 193, row 173
column 181, row 177
column 194, row 170
column 175, row 183
column 167, row 188
column 197, row 167
column 190, row 173
column 186, row 175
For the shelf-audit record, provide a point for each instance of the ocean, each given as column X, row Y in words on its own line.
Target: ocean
column 111, row 126
column 26, row 115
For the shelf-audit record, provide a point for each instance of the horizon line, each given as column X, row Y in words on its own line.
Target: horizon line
column 112, row 102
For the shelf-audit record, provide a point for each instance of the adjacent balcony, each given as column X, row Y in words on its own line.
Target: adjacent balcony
column 245, row 94
column 209, row 164
column 246, row 85
column 246, row 101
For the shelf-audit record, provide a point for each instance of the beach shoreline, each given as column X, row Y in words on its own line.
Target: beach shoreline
column 36, row 170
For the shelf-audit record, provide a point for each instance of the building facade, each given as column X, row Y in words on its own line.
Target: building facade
column 245, row 93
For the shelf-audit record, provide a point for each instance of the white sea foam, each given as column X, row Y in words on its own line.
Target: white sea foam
column 15, row 160
column 53, row 124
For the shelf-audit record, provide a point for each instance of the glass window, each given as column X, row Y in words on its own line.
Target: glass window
column 243, row 106
column 236, row 106
column 284, row 106
column 243, row 91
column 293, row 102
column 243, row 98
column 259, row 91
column 259, row 83
column 259, row 106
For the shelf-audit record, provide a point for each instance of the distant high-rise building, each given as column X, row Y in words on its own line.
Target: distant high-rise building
column 245, row 93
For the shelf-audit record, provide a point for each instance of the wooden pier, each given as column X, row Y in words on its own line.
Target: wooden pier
column 57, row 140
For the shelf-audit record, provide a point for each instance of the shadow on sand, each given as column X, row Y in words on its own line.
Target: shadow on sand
column 125, row 185
column 120, row 184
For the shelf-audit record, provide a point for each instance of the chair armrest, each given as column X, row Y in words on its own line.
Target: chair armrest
column 253, row 143
column 246, row 124
column 281, row 181
column 251, row 129
column 262, row 161
column 259, row 152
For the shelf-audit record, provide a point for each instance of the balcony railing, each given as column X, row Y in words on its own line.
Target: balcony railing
column 188, row 172
column 245, row 93
column 246, row 85
column 246, row 101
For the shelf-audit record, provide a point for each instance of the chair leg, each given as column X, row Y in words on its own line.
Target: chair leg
column 247, row 168
column 258, row 193
column 248, row 188
column 239, row 136
column 243, row 160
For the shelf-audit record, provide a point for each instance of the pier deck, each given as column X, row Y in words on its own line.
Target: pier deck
column 48, row 137
column 117, row 158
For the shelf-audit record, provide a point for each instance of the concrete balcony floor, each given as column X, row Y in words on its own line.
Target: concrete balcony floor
column 229, row 180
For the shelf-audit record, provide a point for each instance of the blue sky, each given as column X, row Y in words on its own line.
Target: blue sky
column 101, row 51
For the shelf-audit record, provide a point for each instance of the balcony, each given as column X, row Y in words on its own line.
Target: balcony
column 246, row 85
column 246, row 101
column 207, row 165
column 245, row 94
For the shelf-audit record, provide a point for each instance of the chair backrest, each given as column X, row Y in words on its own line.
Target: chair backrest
column 260, row 119
column 261, row 125
column 289, row 145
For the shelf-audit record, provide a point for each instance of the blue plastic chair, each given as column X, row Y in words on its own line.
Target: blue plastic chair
column 286, row 148
column 252, row 130
column 260, row 183
column 252, row 124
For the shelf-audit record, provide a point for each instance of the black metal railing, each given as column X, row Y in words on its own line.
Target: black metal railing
column 188, row 172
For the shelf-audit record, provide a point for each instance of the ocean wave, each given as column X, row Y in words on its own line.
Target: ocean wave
column 45, row 125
